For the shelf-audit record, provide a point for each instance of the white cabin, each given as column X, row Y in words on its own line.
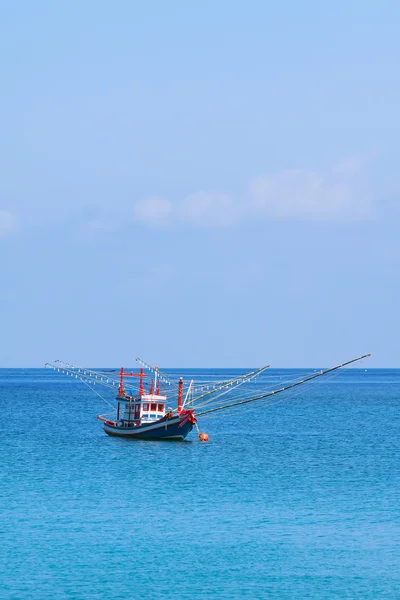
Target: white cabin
column 145, row 408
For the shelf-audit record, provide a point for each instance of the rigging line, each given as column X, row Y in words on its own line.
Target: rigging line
column 279, row 374
column 160, row 375
column 84, row 370
column 84, row 373
column 307, row 384
column 100, row 396
column 206, row 384
column 305, row 388
column 82, row 376
column 274, row 402
column 95, row 378
column 221, row 382
column 217, row 385
column 219, row 396
column 274, row 392
column 310, row 387
column 229, row 383
column 270, row 404
column 242, row 396
column 231, row 389
column 83, row 379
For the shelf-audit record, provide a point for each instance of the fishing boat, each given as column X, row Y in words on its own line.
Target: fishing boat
column 145, row 415
column 154, row 414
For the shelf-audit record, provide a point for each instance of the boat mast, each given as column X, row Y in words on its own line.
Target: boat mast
column 180, row 394
column 155, row 380
column 189, row 391
column 141, row 375
column 121, row 381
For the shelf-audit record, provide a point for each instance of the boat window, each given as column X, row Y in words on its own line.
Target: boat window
column 145, row 407
column 153, row 416
column 154, row 407
column 160, row 407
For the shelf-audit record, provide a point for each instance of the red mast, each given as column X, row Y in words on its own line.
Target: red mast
column 141, row 390
column 180, row 389
column 121, row 381
column 122, row 374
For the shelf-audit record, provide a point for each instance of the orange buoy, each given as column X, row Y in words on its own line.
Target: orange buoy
column 203, row 437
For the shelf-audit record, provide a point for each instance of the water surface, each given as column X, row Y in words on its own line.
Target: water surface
column 297, row 500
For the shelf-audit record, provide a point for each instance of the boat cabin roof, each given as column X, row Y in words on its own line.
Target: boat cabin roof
column 144, row 398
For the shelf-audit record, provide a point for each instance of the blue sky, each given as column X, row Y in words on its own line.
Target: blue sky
column 199, row 184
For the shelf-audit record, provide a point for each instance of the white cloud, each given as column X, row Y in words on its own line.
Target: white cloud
column 296, row 194
column 8, row 223
column 350, row 166
column 154, row 210
column 209, row 209
column 308, row 195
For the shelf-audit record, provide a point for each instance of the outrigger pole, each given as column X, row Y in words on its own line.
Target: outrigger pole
column 232, row 382
column 284, row 389
column 85, row 375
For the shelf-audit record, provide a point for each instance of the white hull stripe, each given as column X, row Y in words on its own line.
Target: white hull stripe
column 143, row 429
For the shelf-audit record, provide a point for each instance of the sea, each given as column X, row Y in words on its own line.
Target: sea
column 296, row 499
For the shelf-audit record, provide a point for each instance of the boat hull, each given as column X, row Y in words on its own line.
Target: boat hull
column 176, row 428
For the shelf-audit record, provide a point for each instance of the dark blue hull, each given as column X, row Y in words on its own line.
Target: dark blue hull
column 176, row 428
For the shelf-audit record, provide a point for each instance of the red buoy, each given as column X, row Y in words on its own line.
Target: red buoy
column 203, row 437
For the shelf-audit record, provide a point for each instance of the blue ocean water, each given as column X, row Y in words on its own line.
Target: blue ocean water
column 293, row 501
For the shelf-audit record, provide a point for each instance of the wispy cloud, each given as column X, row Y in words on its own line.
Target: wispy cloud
column 154, row 210
column 8, row 223
column 209, row 209
column 309, row 195
column 294, row 194
column 350, row 166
